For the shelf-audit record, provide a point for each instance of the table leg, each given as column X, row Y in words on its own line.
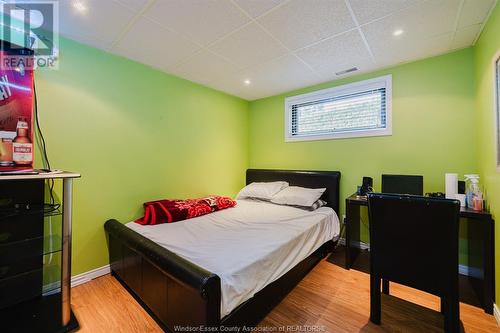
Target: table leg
column 352, row 232
column 489, row 265
column 66, row 251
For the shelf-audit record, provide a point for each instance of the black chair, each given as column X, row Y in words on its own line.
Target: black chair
column 414, row 242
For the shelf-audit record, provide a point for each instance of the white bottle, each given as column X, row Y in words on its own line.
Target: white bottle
column 474, row 197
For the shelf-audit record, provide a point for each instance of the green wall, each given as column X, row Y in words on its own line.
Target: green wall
column 484, row 52
column 433, row 109
column 135, row 134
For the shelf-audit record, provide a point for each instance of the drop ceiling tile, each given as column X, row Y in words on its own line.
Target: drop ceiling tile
column 203, row 21
column 474, row 12
column 249, row 46
column 104, row 20
column 300, row 23
column 239, row 90
column 369, row 10
column 427, row 31
column 427, row 19
column 229, row 79
column 208, row 68
column 464, row 37
column 255, row 8
column 337, row 54
column 149, row 43
column 407, row 51
column 212, row 71
column 137, row 56
column 280, row 75
column 89, row 40
column 134, row 4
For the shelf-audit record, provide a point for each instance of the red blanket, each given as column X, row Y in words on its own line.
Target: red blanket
column 167, row 211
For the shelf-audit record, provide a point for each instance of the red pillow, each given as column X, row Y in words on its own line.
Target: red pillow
column 167, row 211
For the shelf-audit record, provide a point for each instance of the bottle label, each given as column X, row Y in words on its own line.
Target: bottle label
column 22, row 125
column 22, row 152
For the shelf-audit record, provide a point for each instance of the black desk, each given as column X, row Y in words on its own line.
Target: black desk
column 483, row 221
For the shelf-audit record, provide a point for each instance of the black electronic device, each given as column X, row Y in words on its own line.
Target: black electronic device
column 403, row 184
column 440, row 195
column 366, row 187
column 461, row 187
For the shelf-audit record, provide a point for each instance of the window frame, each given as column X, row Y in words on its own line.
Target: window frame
column 379, row 82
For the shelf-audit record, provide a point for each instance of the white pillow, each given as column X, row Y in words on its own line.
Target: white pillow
column 263, row 191
column 298, row 196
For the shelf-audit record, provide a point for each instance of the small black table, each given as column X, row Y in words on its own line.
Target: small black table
column 478, row 220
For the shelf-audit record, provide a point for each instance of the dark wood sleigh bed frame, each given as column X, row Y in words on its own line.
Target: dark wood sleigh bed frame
column 179, row 294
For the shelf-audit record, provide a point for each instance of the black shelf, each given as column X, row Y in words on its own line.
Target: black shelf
column 36, row 315
column 51, row 277
column 28, row 248
column 46, row 276
column 35, row 263
column 5, row 216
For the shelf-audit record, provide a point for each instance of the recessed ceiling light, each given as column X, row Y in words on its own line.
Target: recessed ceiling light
column 247, row 82
column 79, row 6
column 398, row 32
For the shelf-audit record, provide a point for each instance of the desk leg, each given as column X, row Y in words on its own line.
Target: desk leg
column 385, row 286
column 66, row 251
column 489, row 266
column 352, row 233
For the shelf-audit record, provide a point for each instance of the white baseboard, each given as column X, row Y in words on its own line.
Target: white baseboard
column 360, row 245
column 55, row 287
column 90, row 275
column 462, row 269
column 470, row 271
column 496, row 313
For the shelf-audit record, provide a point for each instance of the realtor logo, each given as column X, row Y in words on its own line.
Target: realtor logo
column 29, row 34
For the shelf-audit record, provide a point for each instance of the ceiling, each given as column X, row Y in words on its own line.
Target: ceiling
column 273, row 45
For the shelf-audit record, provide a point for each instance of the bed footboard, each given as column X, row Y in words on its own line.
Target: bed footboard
column 176, row 291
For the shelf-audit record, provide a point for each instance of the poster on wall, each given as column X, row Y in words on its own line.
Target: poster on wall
column 16, row 118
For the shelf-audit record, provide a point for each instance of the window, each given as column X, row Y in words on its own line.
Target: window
column 354, row 110
column 497, row 111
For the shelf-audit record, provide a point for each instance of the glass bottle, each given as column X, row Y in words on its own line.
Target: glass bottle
column 22, row 146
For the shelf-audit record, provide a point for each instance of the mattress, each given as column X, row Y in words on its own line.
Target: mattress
column 248, row 246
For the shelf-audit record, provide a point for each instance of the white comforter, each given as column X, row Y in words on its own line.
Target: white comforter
column 248, row 246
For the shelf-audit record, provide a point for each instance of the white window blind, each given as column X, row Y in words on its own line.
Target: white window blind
column 354, row 110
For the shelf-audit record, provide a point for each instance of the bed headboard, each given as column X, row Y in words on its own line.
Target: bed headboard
column 311, row 179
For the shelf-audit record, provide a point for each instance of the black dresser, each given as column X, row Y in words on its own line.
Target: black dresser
column 35, row 254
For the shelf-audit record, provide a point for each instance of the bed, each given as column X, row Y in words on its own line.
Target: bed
column 176, row 272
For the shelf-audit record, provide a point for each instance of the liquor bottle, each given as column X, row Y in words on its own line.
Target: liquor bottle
column 22, row 146
column 6, row 152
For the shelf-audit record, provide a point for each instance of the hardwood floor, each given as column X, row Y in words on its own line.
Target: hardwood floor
column 104, row 306
column 329, row 299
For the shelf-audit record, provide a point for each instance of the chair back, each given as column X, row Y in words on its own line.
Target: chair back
column 414, row 241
